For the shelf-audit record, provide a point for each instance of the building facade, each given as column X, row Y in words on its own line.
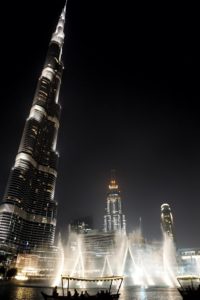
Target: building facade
column 189, row 260
column 81, row 225
column 114, row 220
column 28, row 209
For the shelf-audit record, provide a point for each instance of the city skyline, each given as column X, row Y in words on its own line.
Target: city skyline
column 129, row 101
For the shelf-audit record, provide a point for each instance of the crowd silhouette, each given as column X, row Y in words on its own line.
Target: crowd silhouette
column 83, row 294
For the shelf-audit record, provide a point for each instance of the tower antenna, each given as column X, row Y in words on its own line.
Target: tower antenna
column 113, row 174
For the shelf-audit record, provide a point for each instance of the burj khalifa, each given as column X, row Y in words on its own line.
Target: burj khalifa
column 28, row 208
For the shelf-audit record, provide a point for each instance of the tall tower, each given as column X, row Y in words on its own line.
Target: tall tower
column 114, row 220
column 28, row 209
column 167, row 220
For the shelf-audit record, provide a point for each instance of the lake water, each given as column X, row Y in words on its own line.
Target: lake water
column 13, row 292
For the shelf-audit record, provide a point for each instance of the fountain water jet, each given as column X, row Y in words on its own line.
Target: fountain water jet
column 144, row 264
column 169, row 260
column 60, row 265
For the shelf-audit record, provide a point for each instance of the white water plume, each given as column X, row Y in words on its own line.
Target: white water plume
column 60, row 264
column 169, row 260
column 141, row 263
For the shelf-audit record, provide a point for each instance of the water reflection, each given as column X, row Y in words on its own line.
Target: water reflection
column 11, row 292
column 149, row 294
column 143, row 295
column 24, row 293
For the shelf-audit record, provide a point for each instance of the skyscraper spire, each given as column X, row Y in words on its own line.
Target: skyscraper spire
column 113, row 174
column 113, row 183
column 59, row 35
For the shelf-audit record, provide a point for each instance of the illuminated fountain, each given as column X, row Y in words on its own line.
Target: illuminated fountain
column 60, row 264
column 141, row 263
column 94, row 253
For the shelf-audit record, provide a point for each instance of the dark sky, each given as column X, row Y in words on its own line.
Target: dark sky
column 130, row 101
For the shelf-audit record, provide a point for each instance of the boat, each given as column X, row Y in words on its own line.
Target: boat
column 189, row 287
column 100, row 295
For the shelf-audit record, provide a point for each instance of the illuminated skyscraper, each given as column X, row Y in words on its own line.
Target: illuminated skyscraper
column 28, row 209
column 114, row 220
column 167, row 220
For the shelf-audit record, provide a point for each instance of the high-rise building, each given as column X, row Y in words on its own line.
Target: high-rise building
column 81, row 225
column 167, row 220
column 114, row 220
column 28, row 209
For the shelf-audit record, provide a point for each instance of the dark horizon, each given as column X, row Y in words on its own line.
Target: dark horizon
column 129, row 98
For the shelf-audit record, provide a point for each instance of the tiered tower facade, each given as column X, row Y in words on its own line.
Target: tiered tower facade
column 28, row 209
column 114, row 220
column 167, row 223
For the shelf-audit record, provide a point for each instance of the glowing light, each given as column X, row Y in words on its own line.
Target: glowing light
column 21, row 277
column 113, row 185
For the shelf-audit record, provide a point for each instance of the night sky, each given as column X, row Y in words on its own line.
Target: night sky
column 130, row 102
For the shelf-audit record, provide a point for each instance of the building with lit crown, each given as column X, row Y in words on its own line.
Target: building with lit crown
column 167, row 223
column 28, row 209
column 114, row 219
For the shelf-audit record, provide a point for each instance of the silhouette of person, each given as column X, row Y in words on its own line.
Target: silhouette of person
column 82, row 295
column 75, row 293
column 55, row 293
column 86, row 294
column 69, row 294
